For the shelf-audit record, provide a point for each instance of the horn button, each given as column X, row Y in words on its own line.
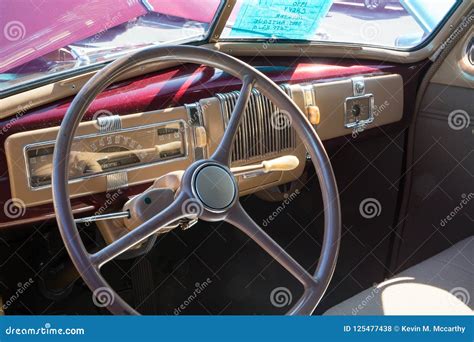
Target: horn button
column 215, row 187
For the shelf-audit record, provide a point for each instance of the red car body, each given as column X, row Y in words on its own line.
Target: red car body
column 59, row 23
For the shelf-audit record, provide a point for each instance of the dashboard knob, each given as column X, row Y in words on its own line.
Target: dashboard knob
column 314, row 115
column 356, row 110
column 285, row 163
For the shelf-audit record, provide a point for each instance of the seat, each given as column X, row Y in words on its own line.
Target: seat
column 440, row 285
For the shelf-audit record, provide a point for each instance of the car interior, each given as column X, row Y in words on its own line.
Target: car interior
column 233, row 174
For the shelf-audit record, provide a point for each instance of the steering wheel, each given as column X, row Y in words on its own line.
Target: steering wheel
column 198, row 183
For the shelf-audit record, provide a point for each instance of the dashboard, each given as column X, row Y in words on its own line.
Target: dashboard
column 112, row 151
column 128, row 151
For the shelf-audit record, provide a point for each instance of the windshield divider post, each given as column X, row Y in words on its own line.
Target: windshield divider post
column 219, row 22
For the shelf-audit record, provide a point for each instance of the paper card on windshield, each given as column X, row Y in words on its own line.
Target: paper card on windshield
column 286, row 19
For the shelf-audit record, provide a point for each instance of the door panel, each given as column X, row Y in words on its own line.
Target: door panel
column 441, row 203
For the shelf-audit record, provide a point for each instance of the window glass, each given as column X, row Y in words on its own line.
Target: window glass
column 42, row 38
column 388, row 23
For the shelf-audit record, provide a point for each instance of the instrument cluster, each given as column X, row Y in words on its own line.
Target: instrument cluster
column 103, row 153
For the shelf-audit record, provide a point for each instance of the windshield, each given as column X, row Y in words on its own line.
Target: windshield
column 398, row 24
column 44, row 38
column 68, row 35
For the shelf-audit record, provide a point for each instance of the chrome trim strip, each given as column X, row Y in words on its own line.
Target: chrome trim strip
column 117, row 180
column 256, row 137
column 309, row 96
column 195, row 113
column 147, row 5
column 103, row 217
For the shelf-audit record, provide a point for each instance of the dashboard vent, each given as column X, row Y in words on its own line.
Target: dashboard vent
column 264, row 129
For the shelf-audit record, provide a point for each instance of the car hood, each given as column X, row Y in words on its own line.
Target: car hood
column 60, row 23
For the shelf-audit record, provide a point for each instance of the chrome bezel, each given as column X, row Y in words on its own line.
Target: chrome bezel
column 196, row 195
column 364, row 122
column 28, row 147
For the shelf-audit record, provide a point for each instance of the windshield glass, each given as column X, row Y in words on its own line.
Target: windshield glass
column 389, row 23
column 42, row 38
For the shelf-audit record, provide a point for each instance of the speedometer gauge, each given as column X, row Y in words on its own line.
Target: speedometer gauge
column 102, row 153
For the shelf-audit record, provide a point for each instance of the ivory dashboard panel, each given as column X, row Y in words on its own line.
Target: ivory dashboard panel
column 122, row 151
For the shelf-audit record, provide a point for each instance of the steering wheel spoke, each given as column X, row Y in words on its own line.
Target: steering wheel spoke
column 171, row 214
column 240, row 219
column 223, row 152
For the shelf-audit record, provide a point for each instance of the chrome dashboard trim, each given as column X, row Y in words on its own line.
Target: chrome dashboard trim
column 117, row 180
column 359, row 124
column 198, row 197
column 257, row 137
column 358, row 90
column 195, row 119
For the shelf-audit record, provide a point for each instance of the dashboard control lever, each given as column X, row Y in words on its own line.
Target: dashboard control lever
column 285, row 163
column 103, row 217
column 200, row 136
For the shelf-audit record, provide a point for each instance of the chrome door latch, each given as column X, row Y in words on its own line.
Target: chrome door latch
column 359, row 108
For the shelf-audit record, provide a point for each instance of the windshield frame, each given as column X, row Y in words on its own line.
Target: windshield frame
column 30, row 84
column 426, row 41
